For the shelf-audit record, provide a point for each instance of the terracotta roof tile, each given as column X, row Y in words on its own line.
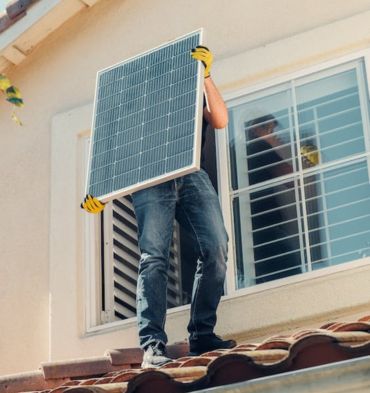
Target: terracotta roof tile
column 72, row 383
column 125, row 376
column 28, row 381
column 352, row 326
column 77, row 368
column 17, row 7
column 134, row 356
column 124, row 356
column 110, row 387
column 194, row 361
column 275, row 343
column 118, row 372
column 15, row 10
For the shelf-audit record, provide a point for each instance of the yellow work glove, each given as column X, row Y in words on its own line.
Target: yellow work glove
column 92, row 205
column 203, row 54
column 310, row 154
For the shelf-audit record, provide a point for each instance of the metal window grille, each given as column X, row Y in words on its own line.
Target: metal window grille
column 120, row 261
column 291, row 216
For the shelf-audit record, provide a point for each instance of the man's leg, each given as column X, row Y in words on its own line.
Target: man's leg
column 155, row 211
column 199, row 208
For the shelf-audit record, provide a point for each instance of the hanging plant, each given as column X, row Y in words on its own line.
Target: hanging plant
column 12, row 94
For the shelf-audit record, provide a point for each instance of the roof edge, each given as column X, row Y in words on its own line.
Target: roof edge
column 349, row 375
column 34, row 25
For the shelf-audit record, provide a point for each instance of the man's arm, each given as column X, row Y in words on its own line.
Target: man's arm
column 215, row 112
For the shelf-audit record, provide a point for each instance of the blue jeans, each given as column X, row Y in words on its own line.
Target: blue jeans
column 194, row 202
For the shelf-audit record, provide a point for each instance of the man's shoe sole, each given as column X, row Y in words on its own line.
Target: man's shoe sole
column 150, row 365
column 233, row 344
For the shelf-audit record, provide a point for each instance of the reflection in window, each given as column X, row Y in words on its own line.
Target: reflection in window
column 274, row 222
column 300, row 176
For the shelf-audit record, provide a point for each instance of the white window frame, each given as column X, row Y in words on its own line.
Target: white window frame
column 223, row 167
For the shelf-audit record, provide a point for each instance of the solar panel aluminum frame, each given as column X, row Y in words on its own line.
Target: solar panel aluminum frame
column 195, row 166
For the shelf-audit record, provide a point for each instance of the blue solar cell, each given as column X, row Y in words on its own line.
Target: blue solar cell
column 180, row 145
column 158, row 83
column 145, row 118
column 100, row 188
column 132, row 93
column 128, row 150
column 180, row 161
column 127, row 136
column 154, row 140
column 183, row 86
column 153, row 155
column 158, row 96
column 134, row 79
column 104, row 145
column 152, row 170
column 103, row 132
column 182, row 101
column 127, row 165
column 180, row 131
column 181, row 116
column 105, row 172
column 159, row 110
column 129, row 107
column 162, row 68
column 181, row 60
column 125, row 179
column 130, row 121
column 102, row 160
column 183, row 73
column 154, row 126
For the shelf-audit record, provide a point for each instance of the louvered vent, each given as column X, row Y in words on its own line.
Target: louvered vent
column 125, row 260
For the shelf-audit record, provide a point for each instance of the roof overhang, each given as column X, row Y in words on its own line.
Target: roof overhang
column 41, row 19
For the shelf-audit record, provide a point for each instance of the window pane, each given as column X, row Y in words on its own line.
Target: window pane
column 329, row 116
column 268, row 243
column 272, row 228
column 342, row 227
column 260, row 139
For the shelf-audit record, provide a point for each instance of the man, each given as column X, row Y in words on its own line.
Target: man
column 194, row 202
column 275, row 223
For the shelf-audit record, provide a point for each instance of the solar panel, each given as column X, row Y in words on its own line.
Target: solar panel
column 147, row 120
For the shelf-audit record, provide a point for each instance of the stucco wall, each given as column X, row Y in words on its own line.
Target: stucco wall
column 250, row 43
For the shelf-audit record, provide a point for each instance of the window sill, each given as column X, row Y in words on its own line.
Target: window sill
column 280, row 290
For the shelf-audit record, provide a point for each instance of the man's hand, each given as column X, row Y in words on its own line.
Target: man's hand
column 92, row 205
column 310, row 155
column 203, row 54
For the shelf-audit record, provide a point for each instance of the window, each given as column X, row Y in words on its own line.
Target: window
column 299, row 168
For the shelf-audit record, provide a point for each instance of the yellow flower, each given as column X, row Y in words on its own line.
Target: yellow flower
column 4, row 83
column 13, row 95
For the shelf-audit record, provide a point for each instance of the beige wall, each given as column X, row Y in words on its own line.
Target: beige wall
column 250, row 43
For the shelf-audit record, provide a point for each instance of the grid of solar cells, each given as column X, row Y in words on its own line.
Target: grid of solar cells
column 145, row 113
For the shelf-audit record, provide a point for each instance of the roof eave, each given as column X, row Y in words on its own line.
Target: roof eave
column 43, row 18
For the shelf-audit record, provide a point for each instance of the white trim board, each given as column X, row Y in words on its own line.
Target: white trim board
column 41, row 19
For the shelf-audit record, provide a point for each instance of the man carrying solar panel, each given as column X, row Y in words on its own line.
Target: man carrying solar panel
column 194, row 202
